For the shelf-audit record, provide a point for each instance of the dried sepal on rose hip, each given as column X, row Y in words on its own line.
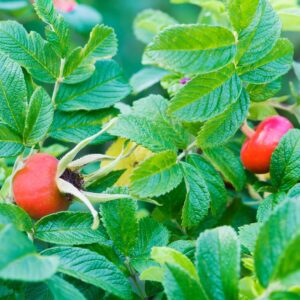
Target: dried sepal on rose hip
column 257, row 150
column 44, row 185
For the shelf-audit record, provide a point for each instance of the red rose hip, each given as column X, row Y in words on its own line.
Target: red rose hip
column 257, row 151
column 35, row 189
column 65, row 6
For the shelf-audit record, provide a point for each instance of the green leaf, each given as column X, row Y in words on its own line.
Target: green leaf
column 259, row 21
column 207, row 95
column 151, row 234
column 152, row 274
column 102, row 44
column 262, row 92
column 179, row 285
column 150, row 22
column 63, row 290
column 218, row 263
column 186, row 247
column 214, row 182
column 106, row 87
column 29, row 50
column 156, row 176
column 248, row 236
column 19, row 259
column 68, row 228
column 220, row 129
column 171, row 203
column 149, row 125
column 13, row 93
column 57, row 31
column 165, row 255
column 105, row 182
column 192, row 49
column 39, row 117
column 140, row 264
column 6, row 291
column 11, row 144
column 242, row 12
column 294, row 191
column 276, row 253
column 266, row 207
column 55, row 288
column 30, row 84
column 92, row 268
column 284, row 295
column 285, row 162
column 229, row 165
column 12, row 214
column 78, row 70
column 120, row 221
column 173, row 83
column 277, row 63
column 78, row 125
column 146, row 78
column 197, row 201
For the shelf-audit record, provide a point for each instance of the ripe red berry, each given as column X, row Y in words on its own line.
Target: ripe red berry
column 257, row 151
column 35, row 189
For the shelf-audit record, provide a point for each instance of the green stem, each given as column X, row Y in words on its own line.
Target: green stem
column 182, row 229
column 186, row 151
column 134, row 276
column 58, row 82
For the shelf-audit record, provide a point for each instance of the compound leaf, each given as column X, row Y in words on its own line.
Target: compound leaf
column 207, row 95
column 191, row 49
column 156, row 176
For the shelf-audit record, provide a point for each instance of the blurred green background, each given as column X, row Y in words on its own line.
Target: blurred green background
column 120, row 15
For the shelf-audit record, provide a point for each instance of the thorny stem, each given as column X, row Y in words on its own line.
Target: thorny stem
column 186, row 151
column 58, row 82
column 247, row 130
column 134, row 276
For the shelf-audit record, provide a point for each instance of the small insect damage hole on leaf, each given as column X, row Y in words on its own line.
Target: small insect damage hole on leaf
column 75, row 179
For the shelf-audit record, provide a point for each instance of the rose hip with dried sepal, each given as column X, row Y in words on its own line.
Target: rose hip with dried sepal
column 35, row 188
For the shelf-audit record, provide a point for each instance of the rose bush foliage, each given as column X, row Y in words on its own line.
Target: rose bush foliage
column 169, row 211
